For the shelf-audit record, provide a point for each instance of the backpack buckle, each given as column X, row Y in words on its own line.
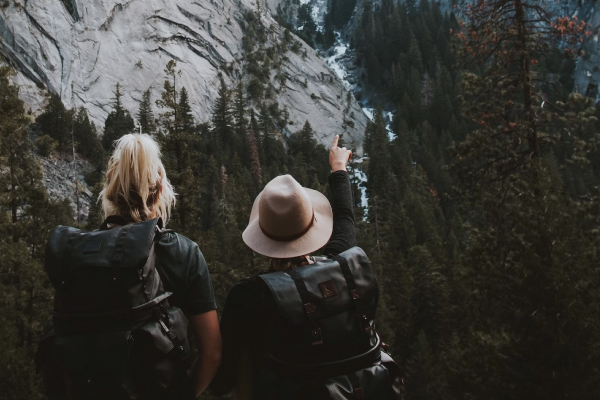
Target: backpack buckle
column 315, row 335
column 358, row 393
column 364, row 324
column 170, row 334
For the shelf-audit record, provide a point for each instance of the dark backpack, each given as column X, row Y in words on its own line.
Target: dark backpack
column 113, row 334
column 321, row 332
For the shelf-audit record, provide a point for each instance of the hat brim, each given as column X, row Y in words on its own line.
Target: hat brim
column 316, row 237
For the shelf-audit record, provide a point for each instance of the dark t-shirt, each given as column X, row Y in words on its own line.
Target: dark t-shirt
column 184, row 272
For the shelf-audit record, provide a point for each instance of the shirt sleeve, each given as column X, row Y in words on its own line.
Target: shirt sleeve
column 344, row 227
column 199, row 293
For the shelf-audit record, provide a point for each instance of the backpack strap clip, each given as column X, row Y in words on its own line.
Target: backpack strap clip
column 355, row 382
column 361, row 318
column 309, row 307
column 170, row 334
column 162, row 315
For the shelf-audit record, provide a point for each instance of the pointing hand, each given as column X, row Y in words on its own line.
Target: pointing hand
column 338, row 157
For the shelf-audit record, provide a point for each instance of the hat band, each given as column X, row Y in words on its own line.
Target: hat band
column 291, row 237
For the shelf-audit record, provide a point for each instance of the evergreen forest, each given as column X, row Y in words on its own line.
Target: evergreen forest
column 483, row 217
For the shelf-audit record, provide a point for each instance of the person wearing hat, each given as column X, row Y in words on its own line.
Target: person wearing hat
column 287, row 223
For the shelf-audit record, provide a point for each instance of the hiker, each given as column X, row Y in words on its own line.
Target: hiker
column 125, row 294
column 304, row 329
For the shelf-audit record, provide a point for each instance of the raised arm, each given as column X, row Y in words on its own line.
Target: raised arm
column 344, row 228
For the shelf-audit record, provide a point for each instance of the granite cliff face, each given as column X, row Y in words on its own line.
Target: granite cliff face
column 82, row 49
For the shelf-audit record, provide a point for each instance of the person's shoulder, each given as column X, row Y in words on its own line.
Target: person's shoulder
column 178, row 241
column 177, row 247
column 245, row 291
column 247, row 284
column 172, row 236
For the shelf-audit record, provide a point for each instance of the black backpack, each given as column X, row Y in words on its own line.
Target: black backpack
column 113, row 334
column 321, row 332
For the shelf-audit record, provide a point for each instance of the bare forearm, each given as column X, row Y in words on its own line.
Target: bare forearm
column 209, row 343
column 204, row 371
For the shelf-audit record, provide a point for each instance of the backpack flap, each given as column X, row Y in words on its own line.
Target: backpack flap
column 327, row 288
column 334, row 300
column 372, row 382
column 123, row 246
column 102, row 270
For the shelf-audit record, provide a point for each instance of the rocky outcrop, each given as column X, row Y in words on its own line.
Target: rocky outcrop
column 82, row 49
column 65, row 180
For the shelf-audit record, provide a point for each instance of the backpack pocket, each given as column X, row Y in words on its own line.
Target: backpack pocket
column 395, row 376
column 161, row 357
column 368, row 383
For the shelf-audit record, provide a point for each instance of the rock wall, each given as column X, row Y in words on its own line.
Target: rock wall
column 82, row 49
column 63, row 178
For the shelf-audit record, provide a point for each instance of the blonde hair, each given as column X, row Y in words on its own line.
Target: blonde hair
column 136, row 183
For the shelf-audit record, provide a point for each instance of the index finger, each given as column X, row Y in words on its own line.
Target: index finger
column 335, row 141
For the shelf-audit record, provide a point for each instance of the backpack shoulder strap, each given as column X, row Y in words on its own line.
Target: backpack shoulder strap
column 113, row 219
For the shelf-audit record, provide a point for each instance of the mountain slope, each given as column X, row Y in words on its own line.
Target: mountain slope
column 81, row 50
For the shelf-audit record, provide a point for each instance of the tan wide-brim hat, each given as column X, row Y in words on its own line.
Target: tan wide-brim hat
column 288, row 220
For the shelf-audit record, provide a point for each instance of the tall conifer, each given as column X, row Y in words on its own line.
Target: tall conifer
column 118, row 123
column 145, row 115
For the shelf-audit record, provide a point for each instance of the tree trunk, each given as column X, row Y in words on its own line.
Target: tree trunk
column 525, row 73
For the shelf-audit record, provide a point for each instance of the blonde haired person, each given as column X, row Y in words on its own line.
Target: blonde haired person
column 136, row 186
column 137, row 189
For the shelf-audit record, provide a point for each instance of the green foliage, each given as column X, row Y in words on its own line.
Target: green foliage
column 86, row 139
column 255, row 89
column 56, row 122
column 145, row 115
column 303, row 149
column 118, row 123
column 46, row 146
column 67, row 130
column 483, row 264
column 27, row 216
column 306, row 26
column 338, row 15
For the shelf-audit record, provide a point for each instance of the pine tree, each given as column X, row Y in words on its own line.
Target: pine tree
column 179, row 143
column 241, row 140
column 168, row 119
column 273, row 151
column 145, row 115
column 86, row 137
column 26, row 218
column 186, row 119
column 307, row 23
column 56, row 122
column 222, row 124
column 118, row 123
column 254, row 144
column 379, row 163
column 526, row 235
